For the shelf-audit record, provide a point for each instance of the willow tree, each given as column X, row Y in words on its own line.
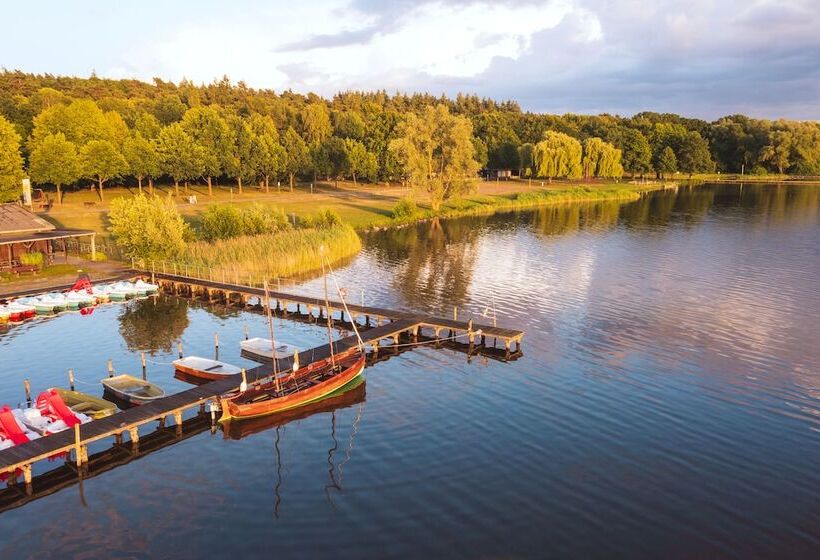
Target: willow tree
column 778, row 150
column 437, row 151
column 55, row 161
column 601, row 159
column 557, row 155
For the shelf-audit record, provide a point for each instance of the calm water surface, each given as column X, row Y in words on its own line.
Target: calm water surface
column 667, row 403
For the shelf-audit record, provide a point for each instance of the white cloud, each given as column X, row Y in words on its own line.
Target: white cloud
column 438, row 39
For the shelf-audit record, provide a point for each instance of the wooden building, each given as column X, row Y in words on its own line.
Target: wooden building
column 21, row 231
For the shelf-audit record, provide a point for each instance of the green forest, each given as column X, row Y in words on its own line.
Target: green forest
column 64, row 131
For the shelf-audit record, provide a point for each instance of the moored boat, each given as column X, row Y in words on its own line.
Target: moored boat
column 12, row 431
column 121, row 291
column 144, row 288
column 261, row 349
column 84, row 403
column 50, row 415
column 40, row 306
column 204, row 368
column 57, row 301
column 4, row 314
column 100, row 294
column 299, row 389
column 132, row 389
column 20, row 312
column 79, row 300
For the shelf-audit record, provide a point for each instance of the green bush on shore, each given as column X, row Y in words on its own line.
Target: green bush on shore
column 31, row 259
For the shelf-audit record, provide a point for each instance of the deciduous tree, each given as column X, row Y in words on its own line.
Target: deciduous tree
column 179, row 156
column 361, row 162
column 11, row 162
column 210, row 132
column 143, row 160
column 297, row 155
column 437, row 150
column 55, row 161
column 101, row 160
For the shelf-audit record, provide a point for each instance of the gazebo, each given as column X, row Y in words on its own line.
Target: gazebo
column 21, row 231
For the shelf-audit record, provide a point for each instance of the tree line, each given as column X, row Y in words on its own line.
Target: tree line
column 60, row 130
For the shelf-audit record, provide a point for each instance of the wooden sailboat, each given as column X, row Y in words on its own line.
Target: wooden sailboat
column 84, row 403
column 315, row 382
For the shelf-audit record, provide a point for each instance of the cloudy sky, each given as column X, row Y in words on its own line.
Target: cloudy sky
column 703, row 58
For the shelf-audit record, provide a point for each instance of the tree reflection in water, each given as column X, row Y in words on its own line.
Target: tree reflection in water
column 153, row 324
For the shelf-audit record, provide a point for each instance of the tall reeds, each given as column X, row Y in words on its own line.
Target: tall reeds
column 275, row 255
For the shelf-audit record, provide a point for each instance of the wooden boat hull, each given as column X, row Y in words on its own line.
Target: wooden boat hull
column 350, row 394
column 242, row 405
column 184, row 367
column 89, row 405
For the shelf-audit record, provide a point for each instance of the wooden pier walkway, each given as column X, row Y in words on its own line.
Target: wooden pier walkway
column 228, row 293
column 389, row 324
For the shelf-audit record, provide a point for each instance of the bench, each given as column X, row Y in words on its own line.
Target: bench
column 25, row 269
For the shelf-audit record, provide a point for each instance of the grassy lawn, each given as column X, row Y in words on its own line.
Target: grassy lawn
column 362, row 206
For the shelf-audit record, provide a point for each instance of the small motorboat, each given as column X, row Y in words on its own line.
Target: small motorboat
column 298, row 389
column 20, row 312
column 261, row 349
column 84, row 403
column 50, row 415
column 132, row 389
column 80, row 300
column 144, row 288
column 12, row 431
column 204, row 368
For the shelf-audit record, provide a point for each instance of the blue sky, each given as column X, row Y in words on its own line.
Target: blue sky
column 703, row 58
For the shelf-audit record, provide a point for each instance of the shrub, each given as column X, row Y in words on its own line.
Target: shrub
column 147, row 227
column 405, row 209
column 325, row 218
column 32, row 259
column 221, row 221
column 99, row 256
column 258, row 219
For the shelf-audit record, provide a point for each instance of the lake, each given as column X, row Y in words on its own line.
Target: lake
column 667, row 402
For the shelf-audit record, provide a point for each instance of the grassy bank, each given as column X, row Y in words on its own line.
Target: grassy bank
column 278, row 255
column 490, row 204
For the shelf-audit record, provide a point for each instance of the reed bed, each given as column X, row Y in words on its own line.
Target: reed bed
column 296, row 252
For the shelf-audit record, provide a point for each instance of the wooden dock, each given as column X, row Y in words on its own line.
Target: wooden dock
column 379, row 324
column 242, row 295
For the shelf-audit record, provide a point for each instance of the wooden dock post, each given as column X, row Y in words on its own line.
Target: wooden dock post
column 179, row 349
column 216, row 345
column 245, row 329
column 455, row 313
column 144, row 367
column 71, row 379
column 27, row 387
column 78, row 453
column 110, row 368
column 178, row 422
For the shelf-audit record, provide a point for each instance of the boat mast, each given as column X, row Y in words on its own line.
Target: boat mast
column 272, row 340
column 329, row 315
